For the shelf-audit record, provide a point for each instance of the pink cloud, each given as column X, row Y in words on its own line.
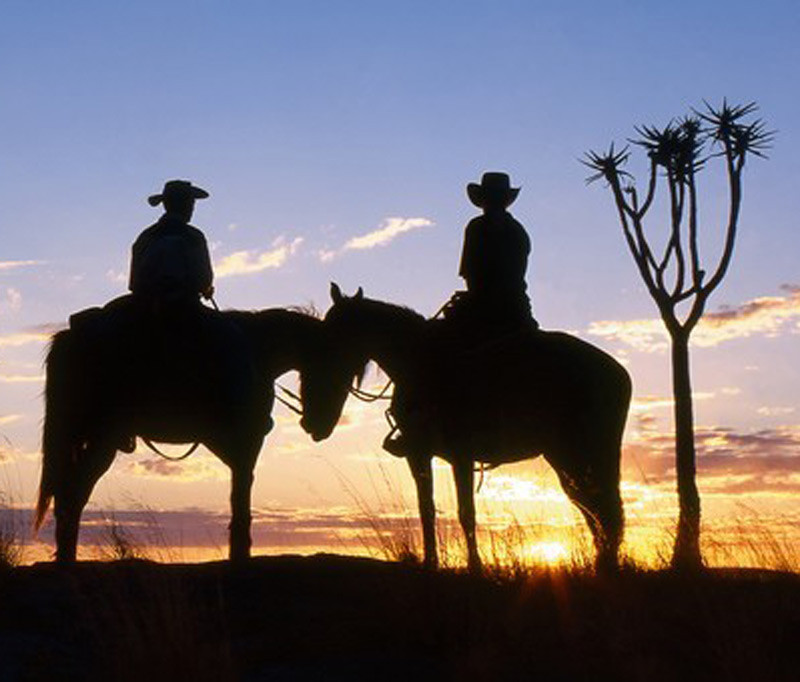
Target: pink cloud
column 764, row 316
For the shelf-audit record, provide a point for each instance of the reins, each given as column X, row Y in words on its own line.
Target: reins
column 365, row 396
column 368, row 397
column 286, row 403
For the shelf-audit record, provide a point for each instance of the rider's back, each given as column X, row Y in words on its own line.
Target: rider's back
column 170, row 260
column 495, row 255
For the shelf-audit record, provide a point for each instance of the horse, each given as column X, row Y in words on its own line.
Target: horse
column 537, row 393
column 213, row 385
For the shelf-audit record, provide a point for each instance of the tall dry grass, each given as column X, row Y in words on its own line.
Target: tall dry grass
column 12, row 546
column 514, row 546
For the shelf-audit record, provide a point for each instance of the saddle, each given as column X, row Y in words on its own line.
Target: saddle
column 132, row 349
column 469, row 348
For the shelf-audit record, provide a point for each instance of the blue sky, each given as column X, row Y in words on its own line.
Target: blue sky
column 312, row 123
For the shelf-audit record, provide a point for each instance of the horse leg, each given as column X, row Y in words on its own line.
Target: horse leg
column 422, row 472
column 464, row 474
column 595, row 491
column 73, row 493
column 239, row 529
column 241, row 487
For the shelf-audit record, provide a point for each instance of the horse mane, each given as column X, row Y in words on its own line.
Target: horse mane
column 396, row 312
column 270, row 321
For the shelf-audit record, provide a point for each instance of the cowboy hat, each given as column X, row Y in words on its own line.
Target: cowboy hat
column 177, row 188
column 495, row 188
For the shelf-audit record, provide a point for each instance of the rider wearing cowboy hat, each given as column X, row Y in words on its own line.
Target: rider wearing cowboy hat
column 496, row 248
column 170, row 260
column 494, row 258
column 493, row 264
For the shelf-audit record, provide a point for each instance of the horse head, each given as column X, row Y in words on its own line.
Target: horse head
column 326, row 379
column 345, row 324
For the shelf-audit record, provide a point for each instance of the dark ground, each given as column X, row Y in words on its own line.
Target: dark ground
column 341, row 618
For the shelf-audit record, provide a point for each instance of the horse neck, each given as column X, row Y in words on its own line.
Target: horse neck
column 393, row 336
column 282, row 339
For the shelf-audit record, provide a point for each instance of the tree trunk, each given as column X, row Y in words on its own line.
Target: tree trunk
column 686, row 553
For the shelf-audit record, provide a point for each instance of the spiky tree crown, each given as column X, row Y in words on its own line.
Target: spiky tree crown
column 682, row 147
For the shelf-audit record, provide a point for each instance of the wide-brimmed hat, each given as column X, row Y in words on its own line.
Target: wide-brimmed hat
column 177, row 188
column 495, row 188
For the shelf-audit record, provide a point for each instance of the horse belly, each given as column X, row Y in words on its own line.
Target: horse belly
column 495, row 437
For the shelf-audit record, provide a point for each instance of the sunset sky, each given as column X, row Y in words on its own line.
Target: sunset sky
column 336, row 140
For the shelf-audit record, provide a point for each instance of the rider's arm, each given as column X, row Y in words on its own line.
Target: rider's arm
column 133, row 277
column 467, row 268
column 205, row 271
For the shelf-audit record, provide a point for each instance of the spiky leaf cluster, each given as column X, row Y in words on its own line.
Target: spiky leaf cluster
column 677, row 148
column 607, row 165
column 725, row 127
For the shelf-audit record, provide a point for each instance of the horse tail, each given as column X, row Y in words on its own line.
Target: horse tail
column 57, row 450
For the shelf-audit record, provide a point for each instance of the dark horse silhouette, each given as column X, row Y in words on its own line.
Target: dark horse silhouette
column 529, row 394
column 220, row 395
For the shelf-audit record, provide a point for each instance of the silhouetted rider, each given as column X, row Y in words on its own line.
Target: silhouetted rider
column 170, row 263
column 494, row 259
column 170, row 270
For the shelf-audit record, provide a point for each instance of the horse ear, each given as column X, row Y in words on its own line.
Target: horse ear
column 336, row 293
column 359, row 294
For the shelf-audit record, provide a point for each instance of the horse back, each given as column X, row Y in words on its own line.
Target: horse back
column 516, row 396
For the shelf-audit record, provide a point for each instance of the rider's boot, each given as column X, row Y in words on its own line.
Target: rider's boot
column 396, row 444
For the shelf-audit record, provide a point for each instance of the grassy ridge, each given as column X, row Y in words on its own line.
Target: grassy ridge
column 329, row 617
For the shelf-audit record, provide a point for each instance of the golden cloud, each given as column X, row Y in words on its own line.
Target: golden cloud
column 21, row 379
column 14, row 264
column 251, row 262
column 388, row 230
column 651, row 402
column 23, row 338
column 391, row 228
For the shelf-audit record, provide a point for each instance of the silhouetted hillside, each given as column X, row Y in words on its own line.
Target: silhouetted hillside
column 341, row 618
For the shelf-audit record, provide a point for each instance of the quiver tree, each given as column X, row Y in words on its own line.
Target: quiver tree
column 671, row 267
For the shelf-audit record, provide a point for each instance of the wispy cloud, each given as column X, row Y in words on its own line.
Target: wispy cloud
column 117, row 276
column 9, row 418
column 15, row 264
column 647, row 403
column 11, row 301
column 775, row 411
column 764, row 316
column 389, row 229
column 39, row 333
column 196, row 469
column 251, row 262
column 21, row 379
column 22, row 338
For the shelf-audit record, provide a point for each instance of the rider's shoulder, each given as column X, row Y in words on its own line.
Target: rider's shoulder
column 147, row 233
column 195, row 232
column 477, row 223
